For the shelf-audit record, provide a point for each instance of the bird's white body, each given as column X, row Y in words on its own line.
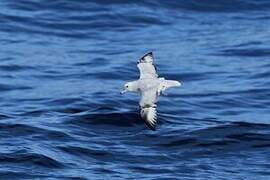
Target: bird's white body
column 149, row 86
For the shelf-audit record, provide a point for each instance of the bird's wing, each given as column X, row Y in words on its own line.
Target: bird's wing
column 148, row 107
column 149, row 115
column 147, row 67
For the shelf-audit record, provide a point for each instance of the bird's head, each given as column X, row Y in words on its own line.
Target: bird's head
column 129, row 86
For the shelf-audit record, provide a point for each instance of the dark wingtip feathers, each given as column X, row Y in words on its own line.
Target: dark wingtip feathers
column 148, row 114
column 143, row 58
column 152, row 127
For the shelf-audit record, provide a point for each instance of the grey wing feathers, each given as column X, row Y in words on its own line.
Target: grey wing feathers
column 148, row 107
column 147, row 67
column 149, row 115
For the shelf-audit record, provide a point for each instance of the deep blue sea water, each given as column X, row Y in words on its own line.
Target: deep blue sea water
column 63, row 64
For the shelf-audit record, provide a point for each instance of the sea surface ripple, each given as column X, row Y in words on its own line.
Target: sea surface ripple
column 63, row 63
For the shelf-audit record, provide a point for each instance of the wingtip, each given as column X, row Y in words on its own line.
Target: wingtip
column 142, row 59
column 149, row 116
column 153, row 128
column 150, row 53
column 149, row 125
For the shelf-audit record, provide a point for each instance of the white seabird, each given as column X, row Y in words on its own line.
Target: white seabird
column 149, row 86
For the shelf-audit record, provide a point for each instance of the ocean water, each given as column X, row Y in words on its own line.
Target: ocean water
column 63, row 64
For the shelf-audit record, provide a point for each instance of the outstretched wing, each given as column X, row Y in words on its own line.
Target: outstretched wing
column 148, row 107
column 149, row 115
column 147, row 67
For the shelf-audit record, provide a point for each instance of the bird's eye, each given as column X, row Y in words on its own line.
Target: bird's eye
column 126, row 86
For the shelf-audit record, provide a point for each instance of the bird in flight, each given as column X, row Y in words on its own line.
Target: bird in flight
column 149, row 86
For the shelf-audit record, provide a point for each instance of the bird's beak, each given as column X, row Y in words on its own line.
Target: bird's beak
column 123, row 91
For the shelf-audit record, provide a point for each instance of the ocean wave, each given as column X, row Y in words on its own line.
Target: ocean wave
column 63, row 64
column 30, row 159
